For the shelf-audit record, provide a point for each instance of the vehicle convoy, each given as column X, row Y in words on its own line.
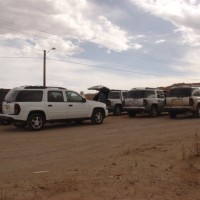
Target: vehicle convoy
column 114, row 98
column 33, row 106
column 183, row 99
column 144, row 100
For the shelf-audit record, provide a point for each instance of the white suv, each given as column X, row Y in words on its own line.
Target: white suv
column 183, row 99
column 33, row 106
column 115, row 101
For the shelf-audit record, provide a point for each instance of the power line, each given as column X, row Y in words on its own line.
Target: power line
column 114, row 69
column 94, row 66
column 102, row 67
column 107, row 68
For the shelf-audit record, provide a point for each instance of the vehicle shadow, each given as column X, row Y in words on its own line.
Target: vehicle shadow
column 182, row 117
column 11, row 129
column 145, row 116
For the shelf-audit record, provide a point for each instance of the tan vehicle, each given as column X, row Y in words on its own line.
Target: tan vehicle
column 144, row 100
column 183, row 100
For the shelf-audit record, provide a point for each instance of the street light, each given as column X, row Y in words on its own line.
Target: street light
column 44, row 68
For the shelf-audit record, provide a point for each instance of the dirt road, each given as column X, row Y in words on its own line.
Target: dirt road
column 122, row 159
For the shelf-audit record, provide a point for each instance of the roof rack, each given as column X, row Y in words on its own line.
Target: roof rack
column 41, row 87
column 144, row 88
column 117, row 90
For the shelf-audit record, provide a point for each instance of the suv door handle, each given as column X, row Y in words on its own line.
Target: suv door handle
column 70, row 105
column 49, row 105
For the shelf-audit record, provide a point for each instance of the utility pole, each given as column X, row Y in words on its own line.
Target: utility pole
column 44, row 65
column 44, row 69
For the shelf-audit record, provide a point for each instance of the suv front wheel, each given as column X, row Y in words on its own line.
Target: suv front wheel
column 35, row 121
column 97, row 116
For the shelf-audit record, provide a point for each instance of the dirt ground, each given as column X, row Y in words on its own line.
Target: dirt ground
column 125, row 158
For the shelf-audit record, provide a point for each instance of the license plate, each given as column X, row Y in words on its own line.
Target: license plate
column 132, row 103
column 6, row 107
column 177, row 102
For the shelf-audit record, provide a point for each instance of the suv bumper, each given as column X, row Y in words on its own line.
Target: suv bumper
column 136, row 109
column 180, row 110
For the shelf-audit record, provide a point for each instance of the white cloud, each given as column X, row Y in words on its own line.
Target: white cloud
column 72, row 19
column 136, row 46
column 159, row 41
column 184, row 14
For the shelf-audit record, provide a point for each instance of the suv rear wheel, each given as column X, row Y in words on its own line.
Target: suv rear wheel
column 117, row 110
column 97, row 116
column 35, row 121
column 131, row 113
column 154, row 111
column 172, row 114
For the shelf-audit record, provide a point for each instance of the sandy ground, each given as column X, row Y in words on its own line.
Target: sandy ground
column 122, row 159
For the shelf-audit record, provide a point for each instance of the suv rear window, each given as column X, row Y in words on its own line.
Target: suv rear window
column 24, row 96
column 137, row 94
column 114, row 95
column 180, row 92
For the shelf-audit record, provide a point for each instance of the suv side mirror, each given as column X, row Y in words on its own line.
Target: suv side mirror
column 83, row 100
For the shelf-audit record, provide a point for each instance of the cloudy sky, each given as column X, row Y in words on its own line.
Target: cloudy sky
column 117, row 43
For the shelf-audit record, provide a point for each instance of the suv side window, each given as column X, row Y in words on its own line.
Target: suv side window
column 55, row 96
column 124, row 94
column 29, row 96
column 73, row 97
column 196, row 92
column 160, row 94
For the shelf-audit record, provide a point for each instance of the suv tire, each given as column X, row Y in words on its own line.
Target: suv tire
column 35, row 121
column 172, row 114
column 131, row 114
column 154, row 111
column 117, row 110
column 97, row 116
column 197, row 112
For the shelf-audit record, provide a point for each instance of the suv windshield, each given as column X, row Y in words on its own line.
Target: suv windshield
column 180, row 92
column 136, row 94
